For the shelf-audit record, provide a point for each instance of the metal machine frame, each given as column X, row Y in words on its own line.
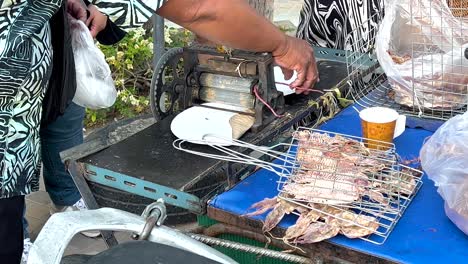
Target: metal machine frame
column 241, row 64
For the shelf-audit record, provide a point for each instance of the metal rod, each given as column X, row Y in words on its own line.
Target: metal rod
column 150, row 224
column 250, row 249
column 85, row 149
column 158, row 38
column 225, row 109
column 221, row 228
column 220, row 95
column 237, row 84
column 78, row 177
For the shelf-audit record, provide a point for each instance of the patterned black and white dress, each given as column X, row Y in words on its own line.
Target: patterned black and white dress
column 25, row 60
column 340, row 24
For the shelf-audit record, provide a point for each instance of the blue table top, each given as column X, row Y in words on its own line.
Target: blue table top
column 423, row 235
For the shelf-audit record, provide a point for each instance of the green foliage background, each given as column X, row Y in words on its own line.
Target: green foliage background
column 131, row 64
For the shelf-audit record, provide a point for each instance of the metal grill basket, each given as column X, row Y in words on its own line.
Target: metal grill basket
column 430, row 79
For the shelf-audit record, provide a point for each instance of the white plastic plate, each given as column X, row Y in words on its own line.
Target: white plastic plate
column 203, row 125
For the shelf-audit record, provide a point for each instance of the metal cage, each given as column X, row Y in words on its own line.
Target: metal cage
column 327, row 174
column 430, row 79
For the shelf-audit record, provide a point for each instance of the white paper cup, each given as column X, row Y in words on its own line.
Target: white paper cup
column 381, row 125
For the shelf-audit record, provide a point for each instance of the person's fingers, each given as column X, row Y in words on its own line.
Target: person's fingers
column 301, row 75
column 301, row 90
column 89, row 21
column 308, row 84
column 82, row 15
column 300, row 58
column 288, row 74
column 93, row 30
column 311, row 78
column 77, row 11
column 306, row 88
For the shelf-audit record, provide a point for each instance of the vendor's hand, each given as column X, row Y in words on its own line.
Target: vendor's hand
column 297, row 55
column 77, row 9
column 96, row 21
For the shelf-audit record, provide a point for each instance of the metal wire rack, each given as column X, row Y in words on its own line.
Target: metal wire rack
column 459, row 7
column 363, row 190
column 325, row 167
column 425, row 73
column 349, row 181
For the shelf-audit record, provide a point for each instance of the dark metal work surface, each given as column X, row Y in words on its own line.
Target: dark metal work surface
column 149, row 155
column 103, row 138
column 326, row 251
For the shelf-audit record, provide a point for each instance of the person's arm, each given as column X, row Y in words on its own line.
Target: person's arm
column 232, row 23
column 129, row 14
column 235, row 24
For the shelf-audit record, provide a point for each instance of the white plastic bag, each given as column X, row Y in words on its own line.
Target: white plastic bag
column 444, row 157
column 420, row 46
column 95, row 86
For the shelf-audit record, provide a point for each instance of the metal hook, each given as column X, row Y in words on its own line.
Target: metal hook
column 155, row 215
column 150, row 224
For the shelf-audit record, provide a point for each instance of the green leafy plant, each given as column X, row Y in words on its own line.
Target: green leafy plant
column 131, row 64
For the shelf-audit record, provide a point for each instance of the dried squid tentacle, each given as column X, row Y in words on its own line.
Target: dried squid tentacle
column 302, row 223
column 317, row 232
column 353, row 225
column 275, row 216
column 263, row 206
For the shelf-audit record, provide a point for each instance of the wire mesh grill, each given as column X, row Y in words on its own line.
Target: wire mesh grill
column 431, row 78
column 459, row 7
column 348, row 182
